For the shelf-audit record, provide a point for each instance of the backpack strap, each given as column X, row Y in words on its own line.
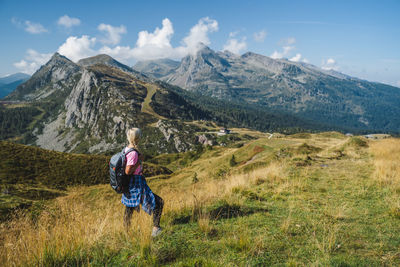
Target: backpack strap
column 130, row 149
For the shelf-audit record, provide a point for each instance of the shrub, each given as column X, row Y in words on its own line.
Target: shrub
column 232, row 161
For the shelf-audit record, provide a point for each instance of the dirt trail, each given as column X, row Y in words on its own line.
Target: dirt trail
column 151, row 90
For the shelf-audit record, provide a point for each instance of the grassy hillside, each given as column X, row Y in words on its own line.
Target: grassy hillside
column 15, row 121
column 29, row 174
column 300, row 200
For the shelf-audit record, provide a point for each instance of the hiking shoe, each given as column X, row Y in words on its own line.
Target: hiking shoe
column 156, row 231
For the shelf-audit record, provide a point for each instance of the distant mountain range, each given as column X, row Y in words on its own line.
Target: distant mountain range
column 322, row 96
column 10, row 82
column 87, row 107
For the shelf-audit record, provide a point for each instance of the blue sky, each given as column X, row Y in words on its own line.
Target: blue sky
column 359, row 38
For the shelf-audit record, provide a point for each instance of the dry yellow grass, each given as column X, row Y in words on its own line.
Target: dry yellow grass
column 387, row 161
column 66, row 226
column 76, row 221
column 387, row 170
column 204, row 222
column 207, row 191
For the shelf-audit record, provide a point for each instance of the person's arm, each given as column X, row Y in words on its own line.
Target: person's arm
column 130, row 169
column 133, row 162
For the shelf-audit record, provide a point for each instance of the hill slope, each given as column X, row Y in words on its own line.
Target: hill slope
column 28, row 174
column 316, row 199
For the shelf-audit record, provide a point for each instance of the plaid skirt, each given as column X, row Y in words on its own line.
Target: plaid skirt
column 139, row 194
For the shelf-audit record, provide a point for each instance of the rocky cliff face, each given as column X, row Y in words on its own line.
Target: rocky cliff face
column 203, row 72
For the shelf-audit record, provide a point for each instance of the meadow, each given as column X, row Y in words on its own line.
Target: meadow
column 301, row 200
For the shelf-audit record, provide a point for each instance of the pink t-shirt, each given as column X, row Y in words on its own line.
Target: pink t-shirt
column 131, row 159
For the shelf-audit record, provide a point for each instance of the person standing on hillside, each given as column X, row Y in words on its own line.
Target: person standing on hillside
column 139, row 192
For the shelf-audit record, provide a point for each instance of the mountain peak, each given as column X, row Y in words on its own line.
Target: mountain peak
column 104, row 60
column 57, row 56
column 107, row 60
column 202, row 46
column 47, row 79
column 249, row 54
column 98, row 59
column 58, row 59
column 202, row 49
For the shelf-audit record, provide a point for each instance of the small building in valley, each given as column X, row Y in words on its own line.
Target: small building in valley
column 224, row 131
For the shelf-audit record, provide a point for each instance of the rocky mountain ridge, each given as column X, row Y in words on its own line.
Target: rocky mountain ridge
column 87, row 108
column 109, row 61
column 324, row 96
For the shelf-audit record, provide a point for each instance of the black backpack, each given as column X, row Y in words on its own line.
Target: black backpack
column 119, row 181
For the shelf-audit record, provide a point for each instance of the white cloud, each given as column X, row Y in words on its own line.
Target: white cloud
column 76, row 48
column 260, row 36
column 149, row 45
column 329, row 64
column 113, row 34
column 330, row 61
column 120, row 53
column 299, row 58
column 34, row 28
column 290, row 40
column 68, row 22
column 287, row 48
column 233, row 34
column 398, row 84
column 33, row 60
column 158, row 43
column 296, row 58
column 29, row 26
column 235, row 46
column 199, row 34
column 276, row 55
column 37, row 57
column 285, row 52
column 25, row 67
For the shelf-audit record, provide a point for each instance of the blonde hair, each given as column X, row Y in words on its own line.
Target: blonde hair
column 133, row 135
